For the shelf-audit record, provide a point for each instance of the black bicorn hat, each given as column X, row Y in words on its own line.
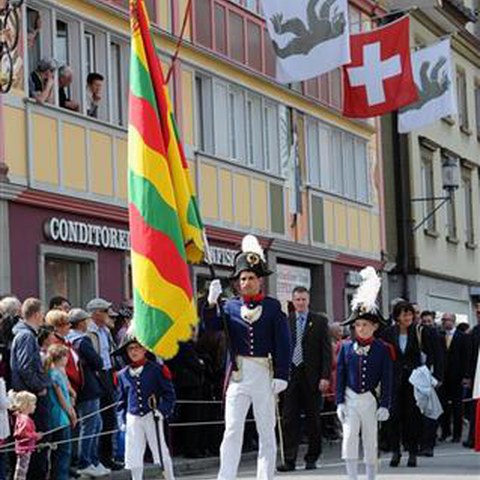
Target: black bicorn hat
column 364, row 301
column 251, row 258
column 127, row 340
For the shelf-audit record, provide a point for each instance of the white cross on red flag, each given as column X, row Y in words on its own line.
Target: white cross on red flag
column 379, row 78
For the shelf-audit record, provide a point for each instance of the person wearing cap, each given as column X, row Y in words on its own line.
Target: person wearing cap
column 88, row 398
column 41, row 81
column 260, row 357
column 100, row 311
column 146, row 390
column 364, row 363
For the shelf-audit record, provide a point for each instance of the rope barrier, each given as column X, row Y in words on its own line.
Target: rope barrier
column 57, row 429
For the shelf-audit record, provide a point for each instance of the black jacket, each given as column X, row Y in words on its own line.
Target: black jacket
column 317, row 347
column 457, row 357
column 474, row 337
column 91, row 364
column 405, row 362
column 431, row 344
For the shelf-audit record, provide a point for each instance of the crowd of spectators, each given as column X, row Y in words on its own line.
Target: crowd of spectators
column 63, row 357
column 41, row 83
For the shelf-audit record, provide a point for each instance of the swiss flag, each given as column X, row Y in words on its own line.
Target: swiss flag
column 379, row 78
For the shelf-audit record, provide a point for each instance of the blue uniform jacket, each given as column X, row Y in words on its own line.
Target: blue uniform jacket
column 363, row 373
column 135, row 391
column 269, row 335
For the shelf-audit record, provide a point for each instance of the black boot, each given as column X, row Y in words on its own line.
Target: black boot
column 395, row 460
column 412, row 460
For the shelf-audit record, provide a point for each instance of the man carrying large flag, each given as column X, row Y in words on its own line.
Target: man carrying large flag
column 260, row 356
column 165, row 227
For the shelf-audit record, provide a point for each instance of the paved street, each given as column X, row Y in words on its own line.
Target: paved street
column 450, row 462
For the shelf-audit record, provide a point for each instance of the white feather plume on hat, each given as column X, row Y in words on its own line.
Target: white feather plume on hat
column 250, row 244
column 365, row 298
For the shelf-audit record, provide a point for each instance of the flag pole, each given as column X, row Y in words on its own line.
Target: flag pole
column 209, row 262
column 188, row 13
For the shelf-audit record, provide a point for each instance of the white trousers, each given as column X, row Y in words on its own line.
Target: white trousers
column 255, row 387
column 139, row 432
column 361, row 417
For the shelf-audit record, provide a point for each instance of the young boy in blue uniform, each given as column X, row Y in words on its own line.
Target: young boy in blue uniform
column 146, row 391
column 364, row 363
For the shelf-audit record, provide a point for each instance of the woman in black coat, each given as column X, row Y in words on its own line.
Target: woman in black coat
column 405, row 419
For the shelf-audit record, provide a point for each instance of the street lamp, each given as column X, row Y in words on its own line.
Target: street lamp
column 450, row 183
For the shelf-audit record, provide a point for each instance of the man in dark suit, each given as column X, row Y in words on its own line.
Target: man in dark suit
column 310, row 374
column 457, row 348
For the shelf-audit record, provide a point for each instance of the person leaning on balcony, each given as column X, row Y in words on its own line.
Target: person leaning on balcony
column 94, row 93
column 65, row 79
column 41, row 81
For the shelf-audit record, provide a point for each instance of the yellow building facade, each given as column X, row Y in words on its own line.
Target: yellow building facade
column 235, row 121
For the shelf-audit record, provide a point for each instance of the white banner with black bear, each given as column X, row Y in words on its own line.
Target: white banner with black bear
column 432, row 71
column 310, row 37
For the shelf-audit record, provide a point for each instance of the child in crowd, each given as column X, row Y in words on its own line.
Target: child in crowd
column 363, row 364
column 4, row 424
column 26, row 437
column 147, row 397
column 62, row 412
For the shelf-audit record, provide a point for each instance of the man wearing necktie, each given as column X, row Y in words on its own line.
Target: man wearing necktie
column 457, row 355
column 310, row 374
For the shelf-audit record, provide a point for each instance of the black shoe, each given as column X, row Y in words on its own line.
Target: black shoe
column 412, row 460
column 286, row 467
column 311, row 466
column 113, row 465
column 426, row 452
column 395, row 460
column 73, row 472
column 456, row 440
column 467, row 444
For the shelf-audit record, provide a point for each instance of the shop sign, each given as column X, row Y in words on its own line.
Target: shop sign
column 222, row 256
column 92, row 235
column 289, row 277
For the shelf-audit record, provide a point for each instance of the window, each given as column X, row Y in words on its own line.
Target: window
column 33, row 38
column 272, row 140
column 236, row 121
column 468, row 207
column 89, row 46
column 238, row 33
column 245, row 125
column 254, row 132
column 68, row 272
column 428, row 190
column 337, row 161
column 204, row 114
column 62, row 43
column 118, row 79
column 462, row 100
column 220, row 114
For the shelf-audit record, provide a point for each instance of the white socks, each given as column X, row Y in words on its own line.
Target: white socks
column 137, row 473
column 352, row 469
column 371, row 471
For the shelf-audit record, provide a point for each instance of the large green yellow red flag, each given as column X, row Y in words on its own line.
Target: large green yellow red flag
column 165, row 223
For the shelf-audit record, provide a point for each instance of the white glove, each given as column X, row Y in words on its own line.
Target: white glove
column 123, row 427
column 279, row 385
column 214, row 291
column 342, row 412
column 383, row 414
